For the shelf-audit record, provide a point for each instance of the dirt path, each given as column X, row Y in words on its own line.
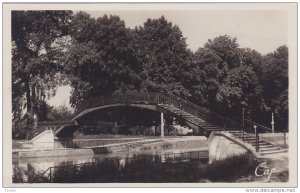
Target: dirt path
column 274, row 168
column 280, row 163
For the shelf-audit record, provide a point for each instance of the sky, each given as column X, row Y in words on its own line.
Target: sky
column 261, row 30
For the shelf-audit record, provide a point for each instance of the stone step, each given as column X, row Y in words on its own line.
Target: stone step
column 213, row 130
column 265, row 146
column 268, row 148
column 208, row 126
column 193, row 119
column 206, row 123
column 261, row 143
column 236, row 132
column 274, row 151
column 250, row 138
column 201, row 125
column 245, row 136
column 189, row 115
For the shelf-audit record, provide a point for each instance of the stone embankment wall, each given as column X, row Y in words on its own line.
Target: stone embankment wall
column 223, row 144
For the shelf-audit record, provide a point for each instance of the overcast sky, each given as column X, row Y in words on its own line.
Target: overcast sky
column 262, row 30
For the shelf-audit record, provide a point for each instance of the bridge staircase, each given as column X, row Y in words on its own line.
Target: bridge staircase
column 198, row 122
column 264, row 147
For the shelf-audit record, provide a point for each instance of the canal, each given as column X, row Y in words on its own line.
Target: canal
column 151, row 166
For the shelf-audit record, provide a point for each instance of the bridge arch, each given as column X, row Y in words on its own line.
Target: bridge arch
column 198, row 118
column 151, row 107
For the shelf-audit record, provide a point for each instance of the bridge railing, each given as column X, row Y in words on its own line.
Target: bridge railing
column 118, row 98
column 222, row 122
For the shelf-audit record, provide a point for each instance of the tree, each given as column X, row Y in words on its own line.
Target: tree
column 101, row 59
column 274, row 76
column 165, row 57
column 213, row 63
column 60, row 113
column 206, row 70
column 35, row 56
column 226, row 48
column 227, row 79
column 240, row 89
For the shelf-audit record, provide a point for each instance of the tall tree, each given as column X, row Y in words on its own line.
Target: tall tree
column 274, row 77
column 214, row 62
column 207, row 72
column 36, row 49
column 227, row 78
column 101, row 59
column 165, row 57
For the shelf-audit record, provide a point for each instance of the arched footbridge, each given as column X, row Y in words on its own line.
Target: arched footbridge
column 198, row 118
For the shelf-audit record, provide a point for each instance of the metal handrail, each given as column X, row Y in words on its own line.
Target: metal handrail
column 259, row 126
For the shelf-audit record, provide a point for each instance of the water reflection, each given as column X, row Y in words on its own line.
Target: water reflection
column 116, row 167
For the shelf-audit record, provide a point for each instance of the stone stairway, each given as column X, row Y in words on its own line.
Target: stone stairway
column 190, row 118
column 265, row 147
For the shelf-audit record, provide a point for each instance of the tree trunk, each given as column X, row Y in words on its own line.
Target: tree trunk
column 33, row 99
column 28, row 97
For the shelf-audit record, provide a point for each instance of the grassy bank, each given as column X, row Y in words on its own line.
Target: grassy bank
column 230, row 169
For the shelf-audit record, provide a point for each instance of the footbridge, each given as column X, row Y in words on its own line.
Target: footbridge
column 198, row 118
column 202, row 120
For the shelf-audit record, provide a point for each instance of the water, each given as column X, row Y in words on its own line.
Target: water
column 151, row 166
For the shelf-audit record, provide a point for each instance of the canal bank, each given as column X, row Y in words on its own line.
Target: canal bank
column 148, row 159
column 219, row 145
column 186, row 143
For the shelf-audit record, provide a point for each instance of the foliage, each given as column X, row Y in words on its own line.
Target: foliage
column 36, row 50
column 223, row 75
column 274, row 80
column 164, row 55
column 101, row 59
column 60, row 113
column 99, row 56
column 232, row 168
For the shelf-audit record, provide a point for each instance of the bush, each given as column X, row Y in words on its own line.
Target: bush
column 231, row 168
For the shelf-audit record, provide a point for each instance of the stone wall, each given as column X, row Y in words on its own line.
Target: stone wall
column 222, row 145
column 44, row 140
